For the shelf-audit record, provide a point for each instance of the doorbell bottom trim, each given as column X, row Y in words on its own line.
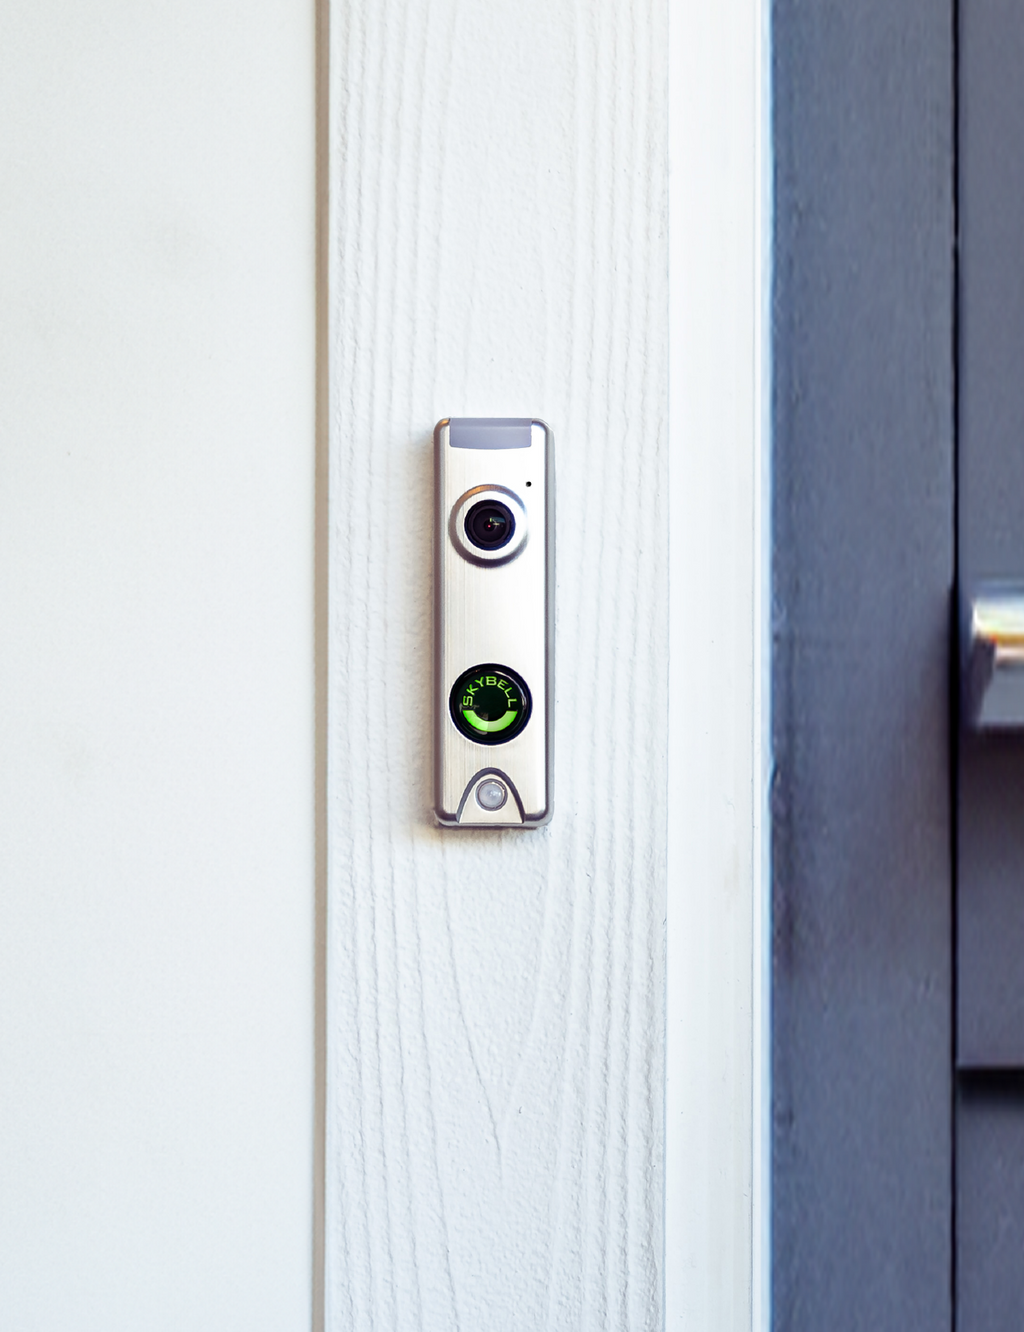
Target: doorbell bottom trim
column 490, row 801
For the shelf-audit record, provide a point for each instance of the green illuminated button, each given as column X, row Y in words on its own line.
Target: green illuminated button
column 490, row 704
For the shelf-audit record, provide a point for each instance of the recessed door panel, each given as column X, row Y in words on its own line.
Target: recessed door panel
column 989, row 1125
column 990, row 887
column 990, row 1203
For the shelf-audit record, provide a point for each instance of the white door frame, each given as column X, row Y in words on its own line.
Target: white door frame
column 436, row 306
column 717, row 1075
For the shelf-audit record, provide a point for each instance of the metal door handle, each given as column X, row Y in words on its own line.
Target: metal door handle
column 993, row 694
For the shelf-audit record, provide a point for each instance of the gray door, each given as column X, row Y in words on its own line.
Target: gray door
column 898, row 1006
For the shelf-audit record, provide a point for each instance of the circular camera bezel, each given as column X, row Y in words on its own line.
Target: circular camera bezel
column 460, row 537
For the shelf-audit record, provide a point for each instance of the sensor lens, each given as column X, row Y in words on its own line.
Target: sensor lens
column 490, row 704
column 491, row 794
column 490, row 525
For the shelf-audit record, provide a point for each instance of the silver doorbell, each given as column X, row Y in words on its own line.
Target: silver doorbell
column 494, row 609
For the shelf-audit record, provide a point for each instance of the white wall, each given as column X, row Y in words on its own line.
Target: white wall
column 495, row 1000
column 156, row 665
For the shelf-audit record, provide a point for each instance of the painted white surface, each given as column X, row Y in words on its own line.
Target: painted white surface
column 717, row 1005
column 495, row 1000
column 156, row 666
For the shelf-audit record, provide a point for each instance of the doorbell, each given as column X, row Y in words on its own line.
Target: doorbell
column 494, row 613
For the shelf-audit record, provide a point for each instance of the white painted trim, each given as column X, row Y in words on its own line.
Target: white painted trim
column 494, row 1002
column 717, row 1096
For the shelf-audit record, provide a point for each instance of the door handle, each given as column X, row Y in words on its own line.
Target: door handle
column 993, row 674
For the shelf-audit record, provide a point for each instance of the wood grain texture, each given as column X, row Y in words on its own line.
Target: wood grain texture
column 497, row 187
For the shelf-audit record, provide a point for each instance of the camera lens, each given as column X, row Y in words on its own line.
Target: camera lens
column 490, row 525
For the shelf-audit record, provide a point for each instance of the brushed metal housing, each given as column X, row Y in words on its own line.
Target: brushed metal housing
column 494, row 611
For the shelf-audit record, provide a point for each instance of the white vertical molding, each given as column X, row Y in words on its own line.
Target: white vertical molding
column 495, row 1002
column 717, row 1026
column 763, row 761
